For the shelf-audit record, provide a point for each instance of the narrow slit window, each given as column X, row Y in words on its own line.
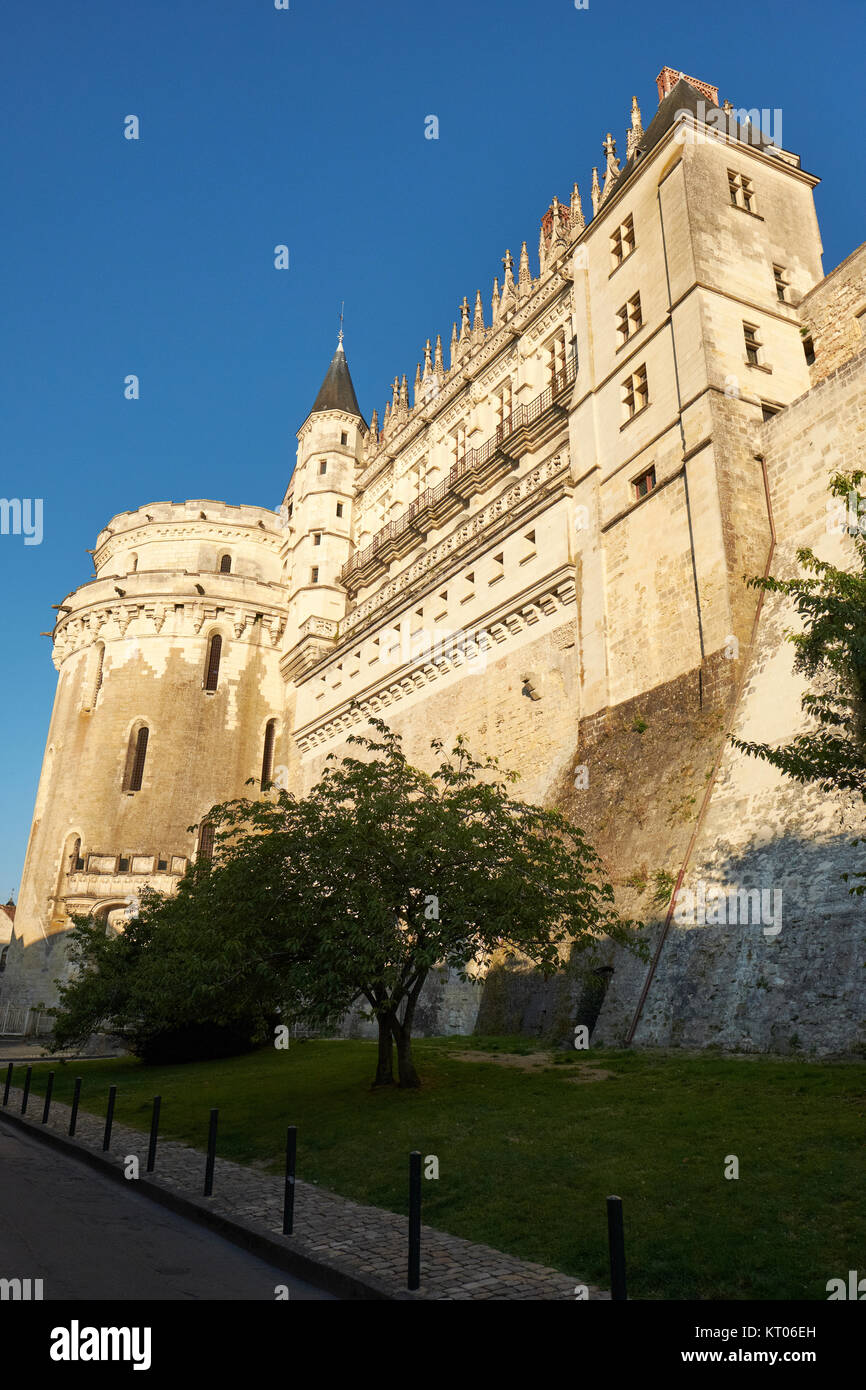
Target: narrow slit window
column 268, row 752
column 205, row 841
column 214, row 654
column 136, row 760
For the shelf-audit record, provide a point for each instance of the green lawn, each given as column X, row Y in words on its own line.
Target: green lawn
column 527, row 1157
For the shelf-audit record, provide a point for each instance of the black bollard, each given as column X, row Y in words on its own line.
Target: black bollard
column 8, row 1083
column 211, row 1154
column 616, row 1241
column 154, row 1130
column 47, row 1106
column 27, row 1076
column 414, row 1219
column 76, row 1097
column 109, row 1118
column 289, row 1197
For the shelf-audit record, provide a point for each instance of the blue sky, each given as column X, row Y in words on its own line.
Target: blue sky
column 302, row 127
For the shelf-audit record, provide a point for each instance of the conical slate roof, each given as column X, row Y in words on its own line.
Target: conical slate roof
column 336, row 391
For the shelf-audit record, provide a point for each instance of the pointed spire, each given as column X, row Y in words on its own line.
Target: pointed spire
column 464, row 320
column 509, row 290
column 524, row 276
column 404, row 398
column 478, row 320
column 635, row 135
column 596, row 191
column 417, row 388
column 612, row 172
column 336, row 391
column 577, row 222
column 386, row 423
column 494, row 302
column 454, row 348
column 428, row 365
column 542, row 250
column 438, row 362
column 373, row 438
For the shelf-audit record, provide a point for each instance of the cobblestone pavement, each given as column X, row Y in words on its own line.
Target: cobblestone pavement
column 366, row 1242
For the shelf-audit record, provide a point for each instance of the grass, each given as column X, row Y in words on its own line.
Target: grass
column 527, row 1156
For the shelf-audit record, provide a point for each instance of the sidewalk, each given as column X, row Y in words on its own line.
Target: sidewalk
column 350, row 1247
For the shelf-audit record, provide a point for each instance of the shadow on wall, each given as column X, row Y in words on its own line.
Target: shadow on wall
column 766, row 953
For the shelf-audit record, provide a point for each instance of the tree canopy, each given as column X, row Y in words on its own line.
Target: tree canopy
column 351, row 894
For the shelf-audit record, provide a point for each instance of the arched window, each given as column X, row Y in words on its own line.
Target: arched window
column 205, row 840
column 135, row 759
column 133, row 563
column 214, row 652
column 268, row 752
column 75, row 861
column 226, row 564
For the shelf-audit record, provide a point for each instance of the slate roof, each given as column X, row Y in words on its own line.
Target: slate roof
column 684, row 97
column 336, row 391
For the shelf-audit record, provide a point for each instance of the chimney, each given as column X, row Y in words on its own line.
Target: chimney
column 669, row 77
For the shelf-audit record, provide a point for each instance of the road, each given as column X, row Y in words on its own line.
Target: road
column 87, row 1237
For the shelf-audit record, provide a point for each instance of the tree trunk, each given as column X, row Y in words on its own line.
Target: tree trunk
column 385, row 1061
column 405, row 1066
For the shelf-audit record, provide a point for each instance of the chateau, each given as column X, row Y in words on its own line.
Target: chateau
column 542, row 544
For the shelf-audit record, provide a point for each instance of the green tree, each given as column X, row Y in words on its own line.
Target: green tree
column 358, row 890
column 832, row 648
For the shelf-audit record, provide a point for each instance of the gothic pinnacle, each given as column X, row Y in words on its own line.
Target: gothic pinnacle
column 635, row 135
column 439, row 364
column 596, row 191
column 524, row 277
column 494, row 302
column 478, row 319
column 453, row 344
column 577, row 222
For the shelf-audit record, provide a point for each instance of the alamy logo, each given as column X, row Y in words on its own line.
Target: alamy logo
column 710, row 905
column 77, row 1343
column 21, row 1290
column 22, row 516
column 756, row 126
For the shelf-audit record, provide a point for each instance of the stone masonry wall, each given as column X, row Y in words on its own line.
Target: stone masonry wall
column 746, row 985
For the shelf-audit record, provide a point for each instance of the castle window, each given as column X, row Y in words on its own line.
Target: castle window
column 135, row 759
column 323, row 466
column 314, row 578
column 75, row 860
column 317, row 538
column 628, row 320
column 622, row 243
column 133, row 563
column 635, row 393
column 123, row 866
column 161, row 865
column 753, row 344
column 339, row 509
column 291, row 509
column 809, row 350
column 768, row 410
column 458, row 443
column 779, row 276
column 97, row 675
column 741, row 191
column 344, row 438
column 503, row 408
column 226, row 564
column 556, row 357
column 268, row 752
column 214, row 652
column 645, row 483
column 205, row 841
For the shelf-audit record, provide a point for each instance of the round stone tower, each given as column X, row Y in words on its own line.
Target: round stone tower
column 169, row 699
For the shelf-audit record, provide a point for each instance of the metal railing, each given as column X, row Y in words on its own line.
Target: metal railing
column 519, row 418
